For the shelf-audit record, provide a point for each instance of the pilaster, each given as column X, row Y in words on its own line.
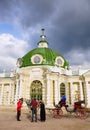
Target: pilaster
column 81, row 90
column 88, row 94
column 48, row 92
column 56, row 92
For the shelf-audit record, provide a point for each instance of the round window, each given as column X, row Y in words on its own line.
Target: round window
column 59, row 61
column 36, row 59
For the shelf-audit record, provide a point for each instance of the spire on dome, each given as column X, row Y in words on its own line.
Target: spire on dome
column 43, row 35
column 43, row 43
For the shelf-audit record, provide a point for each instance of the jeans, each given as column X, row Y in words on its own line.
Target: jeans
column 34, row 114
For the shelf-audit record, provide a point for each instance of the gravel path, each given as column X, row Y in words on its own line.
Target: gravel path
column 8, row 122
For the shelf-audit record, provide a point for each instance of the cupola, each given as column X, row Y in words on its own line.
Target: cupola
column 43, row 43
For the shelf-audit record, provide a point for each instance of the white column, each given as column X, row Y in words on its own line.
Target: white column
column 81, row 91
column 17, row 91
column 87, row 94
column 2, row 92
column 13, row 93
column 9, row 95
column 48, row 92
column 44, row 92
column 0, row 95
column 71, row 92
column 56, row 92
column 67, row 93
column 21, row 88
column 59, row 95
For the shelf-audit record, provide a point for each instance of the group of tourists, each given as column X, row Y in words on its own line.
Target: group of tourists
column 34, row 105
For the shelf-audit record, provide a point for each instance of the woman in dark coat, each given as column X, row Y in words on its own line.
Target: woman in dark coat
column 42, row 111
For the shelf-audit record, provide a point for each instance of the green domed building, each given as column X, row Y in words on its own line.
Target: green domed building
column 45, row 74
column 40, row 64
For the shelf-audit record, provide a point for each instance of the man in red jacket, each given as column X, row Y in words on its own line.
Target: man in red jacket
column 34, row 105
column 19, row 106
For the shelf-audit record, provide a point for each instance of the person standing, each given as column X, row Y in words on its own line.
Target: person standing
column 42, row 111
column 34, row 105
column 19, row 106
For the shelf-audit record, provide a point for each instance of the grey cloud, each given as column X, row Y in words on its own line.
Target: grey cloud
column 79, row 57
column 5, row 10
column 67, row 22
column 72, row 30
column 30, row 12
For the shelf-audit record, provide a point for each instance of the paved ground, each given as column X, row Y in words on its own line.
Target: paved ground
column 8, row 122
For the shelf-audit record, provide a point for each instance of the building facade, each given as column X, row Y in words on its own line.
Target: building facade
column 44, row 74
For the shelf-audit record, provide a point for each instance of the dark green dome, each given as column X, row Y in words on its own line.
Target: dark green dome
column 42, row 55
column 48, row 57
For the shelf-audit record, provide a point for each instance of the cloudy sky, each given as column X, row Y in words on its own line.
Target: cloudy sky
column 66, row 23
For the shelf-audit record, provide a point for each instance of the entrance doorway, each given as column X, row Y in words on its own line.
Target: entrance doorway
column 36, row 90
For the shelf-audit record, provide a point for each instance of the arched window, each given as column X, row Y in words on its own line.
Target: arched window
column 62, row 89
column 36, row 90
